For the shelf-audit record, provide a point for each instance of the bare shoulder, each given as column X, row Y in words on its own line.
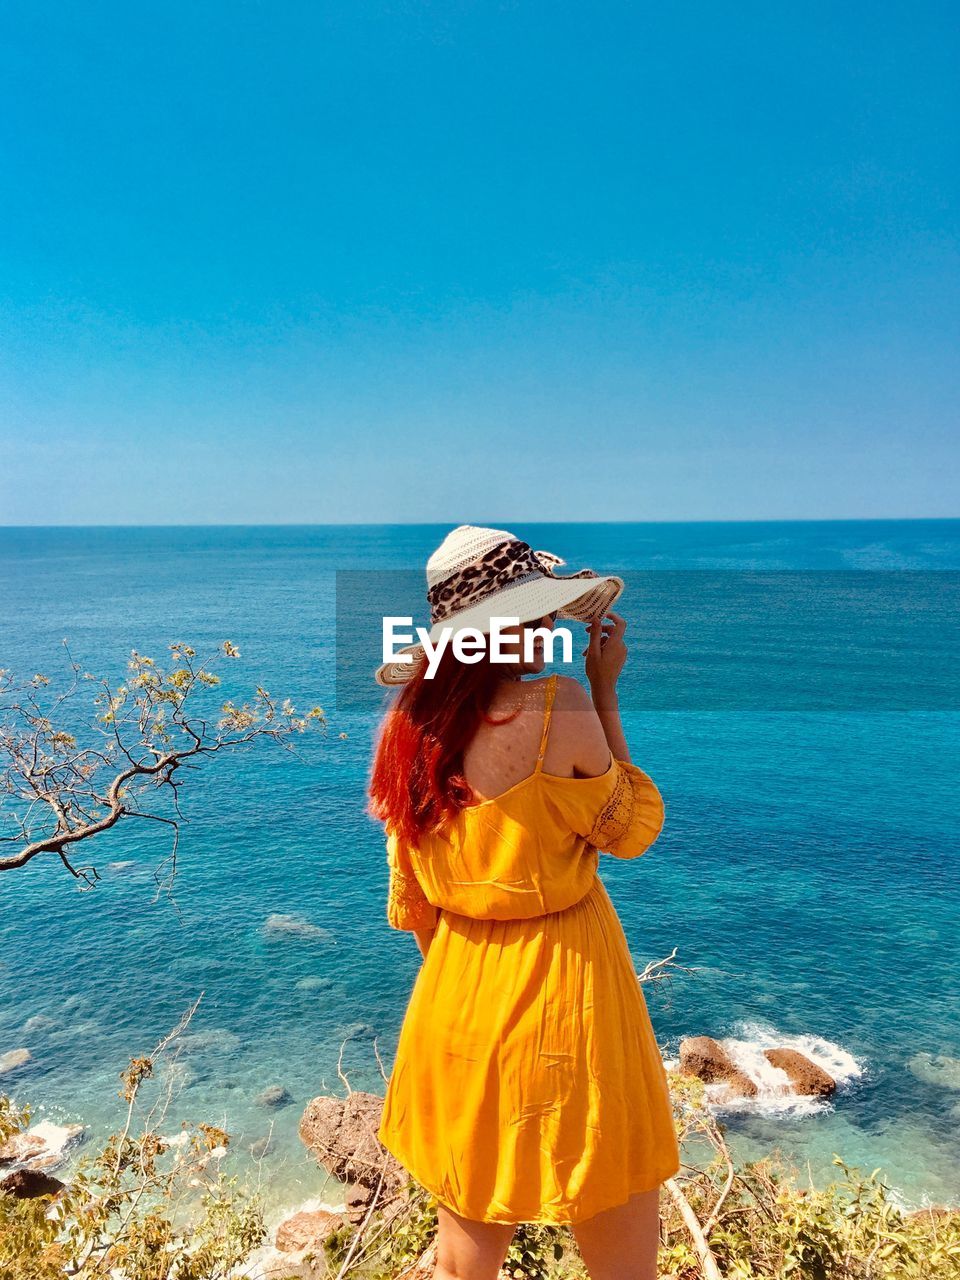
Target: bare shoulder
column 572, row 696
column 580, row 744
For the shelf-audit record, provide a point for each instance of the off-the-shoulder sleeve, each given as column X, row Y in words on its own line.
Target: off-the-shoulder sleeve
column 407, row 905
column 632, row 815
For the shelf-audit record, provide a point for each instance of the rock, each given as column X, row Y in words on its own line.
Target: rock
column 12, row 1060
column 42, row 1147
column 342, row 1134
column 703, row 1057
column 357, row 1031
column 215, row 1039
column 275, row 1095
column 314, row 983
column 260, row 1147
column 805, row 1076
column 279, row 925
column 27, row 1184
column 356, row 1202
column 938, row 1069
column 178, row 1140
column 176, row 1075
column 38, row 1023
column 72, row 1033
column 307, row 1231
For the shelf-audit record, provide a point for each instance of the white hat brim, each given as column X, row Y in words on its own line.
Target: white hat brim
column 578, row 599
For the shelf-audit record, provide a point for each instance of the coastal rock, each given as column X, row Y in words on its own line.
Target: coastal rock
column 42, row 1147
column 290, row 926
column 28, row 1184
column 216, row 1039
column 938, row 1069
column 342, row 1134
column 261, row 1147
column 935, row 1212
column 275, row 1095
column 805, row 1076
column 14, row 1059
column 71, row 1033
column 703, row 1057
column 356, row 1200
column 306, row 1231
column 38, row 1023
column 176, row 1075
column 357, row 1031
column 314, row 983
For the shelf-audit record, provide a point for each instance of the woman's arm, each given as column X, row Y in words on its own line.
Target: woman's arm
column 606, row 653
column 608, row 709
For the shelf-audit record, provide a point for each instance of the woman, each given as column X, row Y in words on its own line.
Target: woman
column 527, row 1085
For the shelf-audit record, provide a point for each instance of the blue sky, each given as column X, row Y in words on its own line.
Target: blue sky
column 298, row 262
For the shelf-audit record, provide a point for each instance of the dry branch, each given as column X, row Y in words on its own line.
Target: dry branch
column 144, row 735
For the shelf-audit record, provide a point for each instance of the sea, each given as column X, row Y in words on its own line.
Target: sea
column 792, row 688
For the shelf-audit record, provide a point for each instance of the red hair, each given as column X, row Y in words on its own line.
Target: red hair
column 417, row 782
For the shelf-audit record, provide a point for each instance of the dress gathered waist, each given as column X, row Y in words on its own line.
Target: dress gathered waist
column 538, row 915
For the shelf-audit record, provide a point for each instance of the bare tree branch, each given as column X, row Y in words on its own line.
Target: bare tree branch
column 148, row 734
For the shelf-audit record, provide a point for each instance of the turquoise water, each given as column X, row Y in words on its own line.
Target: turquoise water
column 807, row 873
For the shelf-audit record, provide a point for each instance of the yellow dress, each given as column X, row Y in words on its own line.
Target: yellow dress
column 527, row 1084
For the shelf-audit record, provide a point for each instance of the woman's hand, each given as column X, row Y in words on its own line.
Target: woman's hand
column 605, row 653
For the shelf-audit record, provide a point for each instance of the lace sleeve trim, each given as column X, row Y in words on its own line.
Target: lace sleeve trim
column 408, row 907
column 632, row 818
column 613, row 821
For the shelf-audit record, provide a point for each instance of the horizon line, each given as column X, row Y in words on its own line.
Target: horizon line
column 386, row 524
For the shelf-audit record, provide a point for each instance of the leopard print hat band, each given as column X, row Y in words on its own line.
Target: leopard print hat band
column 474, row 564
column 504, row 563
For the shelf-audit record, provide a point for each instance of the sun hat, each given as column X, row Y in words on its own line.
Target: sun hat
column 477, row 574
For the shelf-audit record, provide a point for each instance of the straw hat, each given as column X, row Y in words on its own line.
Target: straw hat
column 477, row 574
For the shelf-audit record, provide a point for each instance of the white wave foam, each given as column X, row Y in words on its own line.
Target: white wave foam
column 775, row 1094
column 314, row 1204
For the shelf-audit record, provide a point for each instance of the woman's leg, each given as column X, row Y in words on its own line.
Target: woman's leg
column 468, row 1250
column 622, row 1243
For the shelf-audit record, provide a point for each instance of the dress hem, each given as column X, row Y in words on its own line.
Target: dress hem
column 551, row 1221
